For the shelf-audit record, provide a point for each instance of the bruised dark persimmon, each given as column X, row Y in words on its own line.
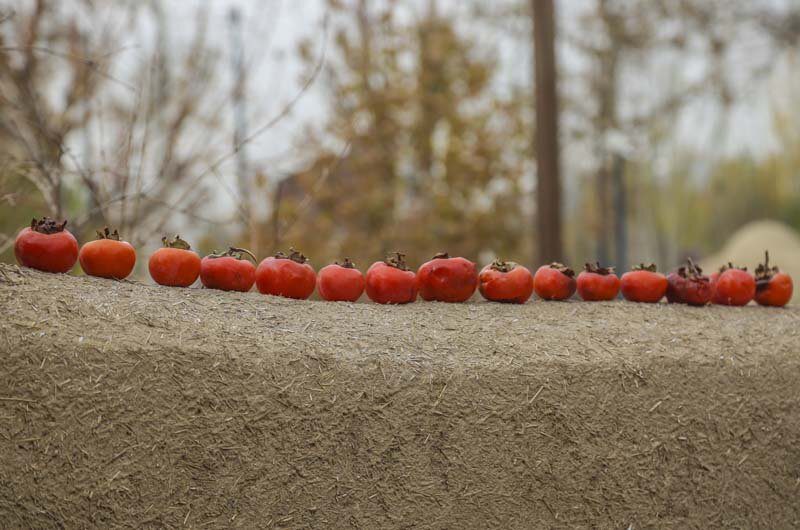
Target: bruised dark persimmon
column 688, row 285
column 554, row 282
column 391, row 282
column 108, row 256
column 446, row 279
column 288, row 276
column 505, row 281
column 229, row 271
column 340, row 282
column 596, row 283
column 643, row 284
column 773, row 287
column 47, row 246
column 175, row 264
column 734, row 286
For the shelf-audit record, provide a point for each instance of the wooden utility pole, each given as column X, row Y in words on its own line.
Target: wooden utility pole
column 548, row 190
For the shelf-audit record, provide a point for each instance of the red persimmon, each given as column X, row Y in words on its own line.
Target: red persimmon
column 505, row 281
column 175, row 264
column 340, row 283
column 643, row 284
column 446, row 279
column 734, row 286
column 47, row 246
column 229, row 271
column 107, row 256
column 596, row 283
column 391, row 282
column 554, row 282
column 688, row 285
column 288, row 276
column 773, row 287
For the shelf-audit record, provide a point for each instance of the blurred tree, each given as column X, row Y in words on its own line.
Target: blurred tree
column 433, row 159
column 629, row 96
column 101, row 144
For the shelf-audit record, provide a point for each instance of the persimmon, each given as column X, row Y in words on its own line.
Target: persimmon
column 643, row 284
column 229, row 271
column 446, row 279
column 340, row 282
column 734, row 286
column 505, row 281
column 688, row 285
column 47, row 246
column 596, row 283
column 773, row 287
column 175, row 264
column 288, row 276
column 391, row 282
column 107, row 256
column 554, row 282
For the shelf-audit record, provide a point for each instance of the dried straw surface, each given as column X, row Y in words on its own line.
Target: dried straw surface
column 127, row 405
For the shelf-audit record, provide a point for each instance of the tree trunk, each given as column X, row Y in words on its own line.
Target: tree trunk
column 620, row 213
column 548, row 192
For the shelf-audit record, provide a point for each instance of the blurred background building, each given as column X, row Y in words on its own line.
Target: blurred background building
column 355, row 127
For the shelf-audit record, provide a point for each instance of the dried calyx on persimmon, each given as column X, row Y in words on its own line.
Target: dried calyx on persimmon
column 234, row 252
column 397, row 260
column 175, row 242
column 595, row 268
column 46, row 225
column 563, row 269
column 294, row 255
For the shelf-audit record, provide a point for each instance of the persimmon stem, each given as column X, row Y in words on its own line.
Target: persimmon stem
column 46, row 225
column 241, row 251
column 595, row 268
column 106, row 234
column 397, row 260
column 503, row 266
column 177, row 242
column 347, row 264
column 563, row 269
column 233, row 252
column 294, row 255
column 690, row 271
column 764, row 272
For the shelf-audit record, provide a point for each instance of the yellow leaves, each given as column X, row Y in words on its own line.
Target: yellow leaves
column 431, row 142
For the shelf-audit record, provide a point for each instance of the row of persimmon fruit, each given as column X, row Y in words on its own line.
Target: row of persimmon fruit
column 48, row 246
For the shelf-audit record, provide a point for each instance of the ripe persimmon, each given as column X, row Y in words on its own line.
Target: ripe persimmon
column 108, row 256
column 446, row 279
column 596, row 283
column 688, row 285
column 773, row 287
column 391, row 282
column 229, row 270
column 175, row 264
column 643, row 284
column 554, row 282
column 505, row 281
column 288, row 276
column 340, row 282
column 47, row 246
column 734, row 286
